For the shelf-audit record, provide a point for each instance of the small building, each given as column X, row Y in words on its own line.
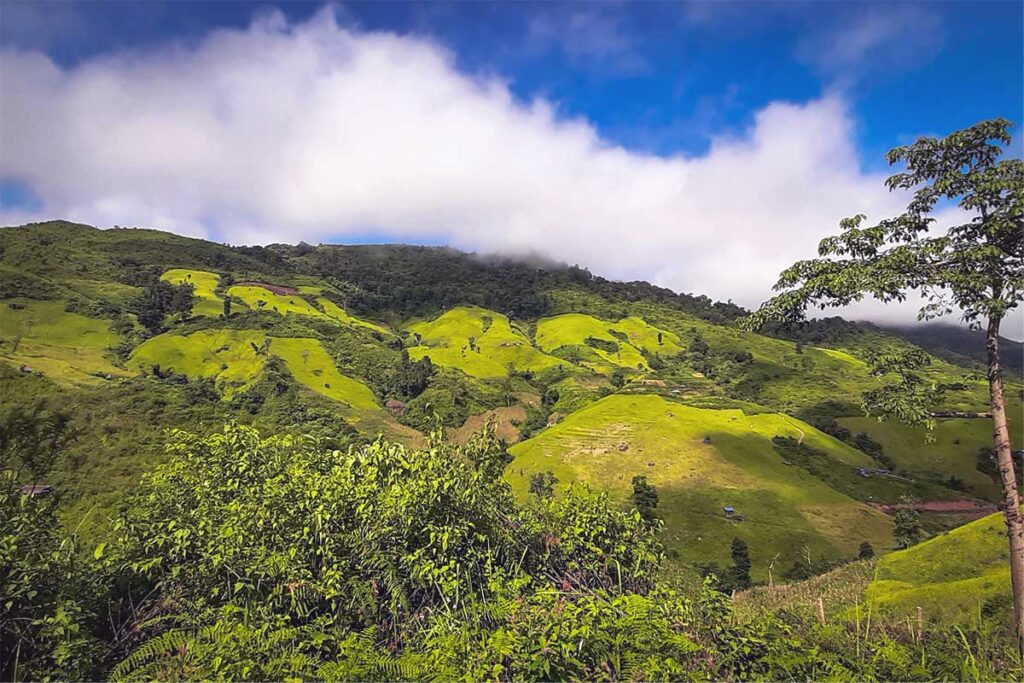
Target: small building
column 395, row 406
column 36, row 490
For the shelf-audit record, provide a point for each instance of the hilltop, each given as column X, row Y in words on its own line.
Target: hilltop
column 131, row 332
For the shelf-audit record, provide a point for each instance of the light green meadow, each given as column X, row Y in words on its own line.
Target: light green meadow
column 311, row 365
column 951, row 576
column 204, row 283
column 573, row 329
column 234, row 359
column 67, row 347
column 496, row 346
column 260, row 299
column 785, row 509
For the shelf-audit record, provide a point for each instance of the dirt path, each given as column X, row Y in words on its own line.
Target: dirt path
column 978, row 507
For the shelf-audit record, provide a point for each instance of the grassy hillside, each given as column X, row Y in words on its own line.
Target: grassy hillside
column 479, row 342
column 603, row 345
column 43, row 336
column 204, row 284
column 957, row 577
column 234, row 358
column 701, row 461
column 321, row 339
column 953, row 453
column 961, row 578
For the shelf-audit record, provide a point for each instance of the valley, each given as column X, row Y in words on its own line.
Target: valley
column 604, row 389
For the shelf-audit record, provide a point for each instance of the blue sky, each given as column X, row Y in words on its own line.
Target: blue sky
column 661, row 77
column 567, row 129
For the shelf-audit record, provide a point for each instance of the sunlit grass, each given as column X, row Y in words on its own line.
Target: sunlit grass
column 784, row 508
column 495, row 349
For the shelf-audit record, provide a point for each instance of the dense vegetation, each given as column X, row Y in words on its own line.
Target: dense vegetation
column 272, row 558
column 638, row 440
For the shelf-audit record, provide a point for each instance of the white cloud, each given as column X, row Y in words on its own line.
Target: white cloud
column 592, row 36
column 893, row 38
column 315, row 131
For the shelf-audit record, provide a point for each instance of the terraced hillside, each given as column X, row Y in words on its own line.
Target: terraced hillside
column 701, row 462
column 479, row 342
column 234, row 359
column 42, row 336
column 332, row 341
column 602, row 345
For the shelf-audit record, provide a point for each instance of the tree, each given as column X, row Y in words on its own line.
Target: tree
column 542, row 484
column 975, row 267
column 740, row 563
column 866, row 551
column 487, row 452
column 227, row 307
column 907, row 524
column 645, row 498
column 183, row 298
column 45, row 611
column 159, row 299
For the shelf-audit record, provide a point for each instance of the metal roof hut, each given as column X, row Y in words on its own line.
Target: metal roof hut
column 36, row 490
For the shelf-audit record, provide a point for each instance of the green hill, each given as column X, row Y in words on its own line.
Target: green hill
column 479, row 342
column 702, row 461
column 44, row 336
column 956, row 577
column 349, row 342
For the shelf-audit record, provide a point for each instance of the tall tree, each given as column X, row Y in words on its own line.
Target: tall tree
column 740, row 563
column 975, row 267
column 645, row 499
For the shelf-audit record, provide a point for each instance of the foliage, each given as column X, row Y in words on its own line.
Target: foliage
column 159, row 300
column 740, row 562
column 645, row 498
column 45, row 595
column 542, row 484
column 907, row 524
column 976, row 266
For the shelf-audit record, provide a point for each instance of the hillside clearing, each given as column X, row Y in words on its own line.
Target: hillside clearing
column 702, row 460
column 234, row 358
column 203, row 284
column 618, row 344
column 479, row 342
column 67, row 347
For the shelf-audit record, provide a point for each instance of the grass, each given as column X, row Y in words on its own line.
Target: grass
column 954, row 452
column 332, row 310
column 310, row 364
column 203, row 283
column 842, row 356
column 630, row 335
column 234, row 358
column 784, row 508
column 258, row 298
column 66, row 347
column 951, row 577
column 495, row 348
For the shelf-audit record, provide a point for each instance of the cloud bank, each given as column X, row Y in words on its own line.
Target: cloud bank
column 316, row 131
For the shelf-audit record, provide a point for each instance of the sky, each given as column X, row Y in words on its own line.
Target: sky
column 702, row 146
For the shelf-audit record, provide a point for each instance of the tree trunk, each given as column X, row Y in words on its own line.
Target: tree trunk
column 1011, row 498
